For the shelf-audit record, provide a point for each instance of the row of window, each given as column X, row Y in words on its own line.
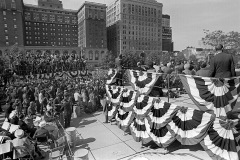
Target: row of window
column 49, row 43
column 50, row 18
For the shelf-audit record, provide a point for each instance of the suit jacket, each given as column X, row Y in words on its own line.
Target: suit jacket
column 222, row 66
column 203, row 72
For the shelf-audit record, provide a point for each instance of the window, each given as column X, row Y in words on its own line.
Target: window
column 7, row 43
column 6, row 37
column 15, row 26
column 44, row 17
column 67, row 19
column 90, row 55
column 14, row 13
column 96, row 55
column 4, row 13
column 52, row 18
column 5, row 25
column 36, row 16
column 27, row 16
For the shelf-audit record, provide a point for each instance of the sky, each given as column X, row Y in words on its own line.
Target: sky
column 189, row 18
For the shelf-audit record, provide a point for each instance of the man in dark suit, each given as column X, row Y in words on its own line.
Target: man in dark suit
column 222, row 64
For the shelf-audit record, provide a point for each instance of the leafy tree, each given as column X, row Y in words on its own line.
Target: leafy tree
column 108, row 61
column 180, row 57
column 230, row 41
column 153, row 57
column 130, row 59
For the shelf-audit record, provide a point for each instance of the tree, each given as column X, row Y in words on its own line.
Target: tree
column 130, row 59
column 108, row 61
column 180, row 57
column 153, row 57
column 230, row 41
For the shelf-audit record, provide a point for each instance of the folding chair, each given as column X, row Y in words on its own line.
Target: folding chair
column 6, row 126
column 18, row 154
column 57, row 153
column 13, row 128
column 5, row 148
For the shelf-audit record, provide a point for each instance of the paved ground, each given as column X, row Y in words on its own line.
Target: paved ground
column 107, row 142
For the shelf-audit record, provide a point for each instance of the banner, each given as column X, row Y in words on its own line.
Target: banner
column 212, row 95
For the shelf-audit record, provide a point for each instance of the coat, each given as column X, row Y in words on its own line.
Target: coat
column 222, row 66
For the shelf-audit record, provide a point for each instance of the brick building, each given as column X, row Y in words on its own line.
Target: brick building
column 92, row 31
column 11, row 26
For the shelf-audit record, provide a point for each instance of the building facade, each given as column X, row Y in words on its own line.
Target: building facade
column 134, row 25
column 11, row 26
column 92, row 31
column 46, row 26
column 167, row 43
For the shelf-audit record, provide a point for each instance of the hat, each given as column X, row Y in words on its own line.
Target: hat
column 42, row 124
column 19, row 133
column 49, row 107
column 12, row 114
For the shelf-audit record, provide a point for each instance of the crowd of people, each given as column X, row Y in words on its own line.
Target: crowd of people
column 33, row 106
column 28, row 63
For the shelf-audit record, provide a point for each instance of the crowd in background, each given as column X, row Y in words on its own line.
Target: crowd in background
column 26, row 63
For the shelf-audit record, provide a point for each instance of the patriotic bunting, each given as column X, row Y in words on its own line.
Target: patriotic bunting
column 151, row 119
column 162, row 137
column 212, row 95
column 111, row 77
column 140, row 129
column 114, row 93
column 219, row 142
column 190, row 126
column 124, row 119
column 112, row 111
column 143, row 106
column 128, row 100
column 161, row 114
column 142, row 81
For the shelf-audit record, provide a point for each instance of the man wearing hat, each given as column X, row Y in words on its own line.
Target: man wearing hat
column 24, row 146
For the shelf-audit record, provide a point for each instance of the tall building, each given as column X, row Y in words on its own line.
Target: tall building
column 11, row 24
column 92, row 31
column 167, row 44
column 48, row 24
column 134, row 25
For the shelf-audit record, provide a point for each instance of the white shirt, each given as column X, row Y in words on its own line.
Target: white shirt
column 40, row 97
column 76, row 96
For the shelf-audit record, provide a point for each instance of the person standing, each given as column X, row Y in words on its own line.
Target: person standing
column 67, row 110
column 222, row 64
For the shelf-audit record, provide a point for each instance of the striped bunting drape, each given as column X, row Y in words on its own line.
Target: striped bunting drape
column 141, row 81
column 111, row 77
column 161, row 114
column 219, row 142
column 139, row 129
column 213, row 95
column 114, row 93
column 124, row 119
column 143, row 106
column 128, row 100
column 190, row 126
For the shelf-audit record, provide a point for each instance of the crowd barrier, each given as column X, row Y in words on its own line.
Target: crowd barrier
column 152, row 119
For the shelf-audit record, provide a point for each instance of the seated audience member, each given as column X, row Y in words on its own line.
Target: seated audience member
column 13, row 119
column 204, row 71
column 41, row 134
column 24, row 146
column 48, row 115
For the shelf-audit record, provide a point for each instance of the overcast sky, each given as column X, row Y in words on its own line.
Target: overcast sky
column 188, row 17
